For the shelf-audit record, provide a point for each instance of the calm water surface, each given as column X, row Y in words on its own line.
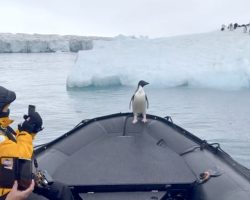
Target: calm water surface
column 40, row 79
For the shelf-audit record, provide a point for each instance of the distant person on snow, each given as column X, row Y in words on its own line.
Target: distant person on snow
column 19, row 144
column 244, row 28
column 235, row 26
column 230, row 27
column 223, row 26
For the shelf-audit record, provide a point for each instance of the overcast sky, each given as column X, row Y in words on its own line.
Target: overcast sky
column 154, row 18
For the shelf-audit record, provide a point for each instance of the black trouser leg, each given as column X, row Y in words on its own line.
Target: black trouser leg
column 56, row 191
column 34, row 196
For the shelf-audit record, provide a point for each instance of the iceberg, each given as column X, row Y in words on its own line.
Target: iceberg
column 217, row 59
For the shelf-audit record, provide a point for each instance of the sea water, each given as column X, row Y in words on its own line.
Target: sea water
column 40, row 79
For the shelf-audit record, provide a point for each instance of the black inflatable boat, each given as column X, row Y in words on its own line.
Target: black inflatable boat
column 109, row 158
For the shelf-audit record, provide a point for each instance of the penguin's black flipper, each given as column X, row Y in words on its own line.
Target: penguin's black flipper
column 147, row 101
column 132, row 99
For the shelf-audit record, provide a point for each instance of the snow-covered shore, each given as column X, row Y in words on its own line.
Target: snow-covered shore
column 37, row 43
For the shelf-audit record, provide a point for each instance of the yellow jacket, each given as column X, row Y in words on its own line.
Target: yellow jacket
column 23, row 148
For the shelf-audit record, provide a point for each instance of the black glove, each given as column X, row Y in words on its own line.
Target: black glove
column 32, row 124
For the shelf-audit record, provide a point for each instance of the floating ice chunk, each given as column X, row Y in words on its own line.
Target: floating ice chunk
column 212, row 60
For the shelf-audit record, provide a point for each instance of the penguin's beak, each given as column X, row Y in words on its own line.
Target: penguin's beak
column 145, row 83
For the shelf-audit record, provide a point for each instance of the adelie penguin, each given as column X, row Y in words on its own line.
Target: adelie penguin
column 139, row 102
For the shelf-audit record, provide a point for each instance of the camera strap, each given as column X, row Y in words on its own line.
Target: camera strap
column 9, row 133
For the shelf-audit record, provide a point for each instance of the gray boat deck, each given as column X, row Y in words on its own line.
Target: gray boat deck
column 101, row 154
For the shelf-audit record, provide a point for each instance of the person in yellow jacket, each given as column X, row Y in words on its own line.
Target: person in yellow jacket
column 20, row 144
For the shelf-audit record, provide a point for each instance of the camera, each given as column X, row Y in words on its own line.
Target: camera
column 42, row 178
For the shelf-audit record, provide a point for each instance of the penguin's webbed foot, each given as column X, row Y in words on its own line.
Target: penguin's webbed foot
column 144, row 119
column 134, row 121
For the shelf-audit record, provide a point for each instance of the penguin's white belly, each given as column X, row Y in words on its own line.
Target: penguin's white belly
column 139, row 104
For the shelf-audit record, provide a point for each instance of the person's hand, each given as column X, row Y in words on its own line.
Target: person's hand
column 16, row 194
column 32, row 123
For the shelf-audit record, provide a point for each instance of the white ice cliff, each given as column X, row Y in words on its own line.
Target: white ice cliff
column 36, row 43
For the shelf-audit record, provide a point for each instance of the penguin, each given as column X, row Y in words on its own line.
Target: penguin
column 244, row 28
column 139, row 102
